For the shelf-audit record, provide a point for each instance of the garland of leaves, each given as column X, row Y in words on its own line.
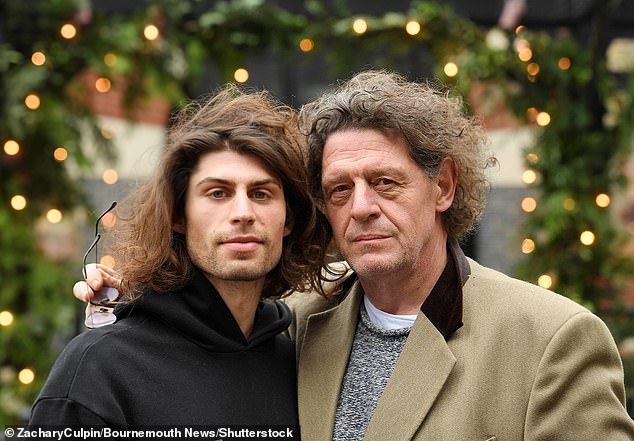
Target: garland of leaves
column 576, row 156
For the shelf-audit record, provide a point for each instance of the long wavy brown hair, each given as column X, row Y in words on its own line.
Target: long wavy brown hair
column 149, row 254
column 432, row 123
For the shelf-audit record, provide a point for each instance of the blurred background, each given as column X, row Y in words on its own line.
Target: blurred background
column 87, row 88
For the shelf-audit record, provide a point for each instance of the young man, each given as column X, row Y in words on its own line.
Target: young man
column 225, row 222
column 422, row 343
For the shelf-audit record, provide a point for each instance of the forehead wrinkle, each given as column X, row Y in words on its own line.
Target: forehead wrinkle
column 369, row 140
column 351, row 153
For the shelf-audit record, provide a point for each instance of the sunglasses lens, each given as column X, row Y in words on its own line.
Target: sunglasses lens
column 106, row 294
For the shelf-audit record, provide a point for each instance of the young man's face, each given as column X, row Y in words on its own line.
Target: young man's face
column 235, row 217
column 384, row 210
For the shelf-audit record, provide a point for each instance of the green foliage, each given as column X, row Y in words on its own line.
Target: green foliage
column 35, row 290
column 578, row 155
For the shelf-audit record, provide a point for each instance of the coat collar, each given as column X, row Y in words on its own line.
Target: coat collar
column 416, row 382
column 325, row 348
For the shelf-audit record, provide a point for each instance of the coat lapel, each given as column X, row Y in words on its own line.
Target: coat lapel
column 323, row 359
column 415, row 383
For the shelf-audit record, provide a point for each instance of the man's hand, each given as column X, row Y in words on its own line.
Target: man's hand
column 98, row 276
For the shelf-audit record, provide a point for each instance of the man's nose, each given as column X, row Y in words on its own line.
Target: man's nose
column 364, row 203
column 242, row 210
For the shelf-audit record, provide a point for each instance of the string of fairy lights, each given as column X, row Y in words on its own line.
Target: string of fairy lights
column 359, row 26
column 529, row 176
column 529, row 204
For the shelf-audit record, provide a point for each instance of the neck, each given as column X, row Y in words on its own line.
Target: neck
column 242, row 298
column 404, row 291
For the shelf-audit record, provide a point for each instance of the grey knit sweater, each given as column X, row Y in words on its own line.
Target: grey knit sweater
column 372, row 359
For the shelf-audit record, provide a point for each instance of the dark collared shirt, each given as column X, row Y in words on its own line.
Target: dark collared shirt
column 443, row 306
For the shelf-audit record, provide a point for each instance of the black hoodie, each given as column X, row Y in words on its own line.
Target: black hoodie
column 175, row 359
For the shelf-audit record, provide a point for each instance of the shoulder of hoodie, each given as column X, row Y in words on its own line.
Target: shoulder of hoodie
column 102, row 340
column 89, row 352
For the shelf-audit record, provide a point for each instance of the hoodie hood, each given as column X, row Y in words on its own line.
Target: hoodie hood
column 198, row 313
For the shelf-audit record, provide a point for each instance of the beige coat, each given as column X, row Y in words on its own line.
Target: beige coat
column 528, row 364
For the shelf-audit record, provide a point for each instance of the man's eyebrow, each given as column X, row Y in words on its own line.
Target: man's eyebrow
column 266, row 182
column 329, row 180
column 370, row 173
column 227, row 182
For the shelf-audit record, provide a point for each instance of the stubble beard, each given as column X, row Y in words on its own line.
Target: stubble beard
column 241, row 269
column 379, row 264
column 376, row 267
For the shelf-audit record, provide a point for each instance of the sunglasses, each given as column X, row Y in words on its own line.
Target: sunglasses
column 100, row 311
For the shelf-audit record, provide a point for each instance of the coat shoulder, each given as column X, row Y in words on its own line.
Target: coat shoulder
column 516, row 314
column 305, row 304
column 501, row 296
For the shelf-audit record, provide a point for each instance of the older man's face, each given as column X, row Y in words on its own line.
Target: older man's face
column 384, row 210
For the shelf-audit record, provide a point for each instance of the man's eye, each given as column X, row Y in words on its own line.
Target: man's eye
column 340, row 189
column 217, row 194
column 260, row 195
column 339, row 193
column 384, row 184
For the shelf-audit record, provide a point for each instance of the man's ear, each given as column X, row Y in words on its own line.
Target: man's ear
column 447, row 181
column 290, row 221
column 287, row 230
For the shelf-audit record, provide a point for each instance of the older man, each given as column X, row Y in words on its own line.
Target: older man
column 420, row 342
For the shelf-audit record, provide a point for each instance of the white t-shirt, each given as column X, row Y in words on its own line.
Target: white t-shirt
column 385, row 320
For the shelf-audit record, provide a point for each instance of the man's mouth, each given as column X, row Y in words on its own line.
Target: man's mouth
column 368, row 237
column 242, row 244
